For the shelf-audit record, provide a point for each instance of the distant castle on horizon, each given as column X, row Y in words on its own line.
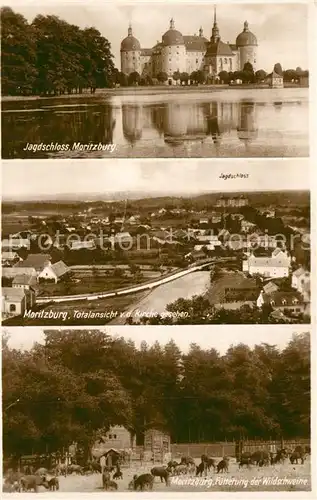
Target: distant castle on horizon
column 188, row 53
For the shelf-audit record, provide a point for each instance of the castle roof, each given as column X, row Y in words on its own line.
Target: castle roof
column 172, row 36
column 246, row 37
column 195, row 43
column 218, row 48
column 146, row 52
column 130, row 43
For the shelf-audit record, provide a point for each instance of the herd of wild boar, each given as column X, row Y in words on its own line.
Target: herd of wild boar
column 27, row 480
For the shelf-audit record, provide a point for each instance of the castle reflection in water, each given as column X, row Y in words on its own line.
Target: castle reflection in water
column 178, row 123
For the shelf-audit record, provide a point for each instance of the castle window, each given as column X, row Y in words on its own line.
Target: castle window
column 226, row 60
column 197, row 61
column 12, row 308
column 115, row 436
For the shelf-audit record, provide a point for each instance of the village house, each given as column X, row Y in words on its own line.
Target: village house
column 301, row 282
column 119, row 220
column 82, row 245
column 54, row 272
column 118, row 438
column 26, row 282
column 233, row 291
column 15, row 244
column 275, row 80
column 211, row 239
column 38, row 261
column 287, row 302
column 11, row 272
column 204, row 220
column 276, row 266
column 14, row 301
column 269, row 213
column 9, row 258
column 196, row 255
column 270, row 287
column 216, row 219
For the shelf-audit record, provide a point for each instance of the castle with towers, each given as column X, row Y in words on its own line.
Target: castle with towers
column 189, row 53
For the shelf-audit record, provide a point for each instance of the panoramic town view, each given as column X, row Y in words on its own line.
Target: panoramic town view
column 219, row 244
column 157, row 410
column 159, row 81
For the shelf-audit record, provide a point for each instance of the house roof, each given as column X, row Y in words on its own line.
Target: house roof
column 60, row 268
column 36, row 260
column 77, row 245
column 15, row 243
column 277, row 251
column 268, row 261
column 270, row 287
column 11, row 272
column 280, row 298
column 9, row 255
column 123, row 235
column 24, row 279
column 299, row 272
column 13, row 294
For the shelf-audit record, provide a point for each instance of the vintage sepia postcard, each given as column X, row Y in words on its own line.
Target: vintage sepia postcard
column 158, row 248
column 159, row 409
column 154, row 80
column 185, row 242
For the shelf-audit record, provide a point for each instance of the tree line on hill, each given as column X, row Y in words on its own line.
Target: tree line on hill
column 50, row 56
column 81, row 381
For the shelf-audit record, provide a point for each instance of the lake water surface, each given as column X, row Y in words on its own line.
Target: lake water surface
column 222, row 123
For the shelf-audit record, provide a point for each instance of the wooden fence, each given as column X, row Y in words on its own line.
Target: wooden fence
column 226, row 448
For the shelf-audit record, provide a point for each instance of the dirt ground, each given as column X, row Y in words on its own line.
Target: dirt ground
column 252, row 479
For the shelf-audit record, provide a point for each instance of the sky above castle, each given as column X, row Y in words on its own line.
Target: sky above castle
column 27, row 179
column 281, row 29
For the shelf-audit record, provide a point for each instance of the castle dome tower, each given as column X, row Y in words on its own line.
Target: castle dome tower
column 172, row 36
column 173, row 52
column 247, row 43
column 130, row 52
